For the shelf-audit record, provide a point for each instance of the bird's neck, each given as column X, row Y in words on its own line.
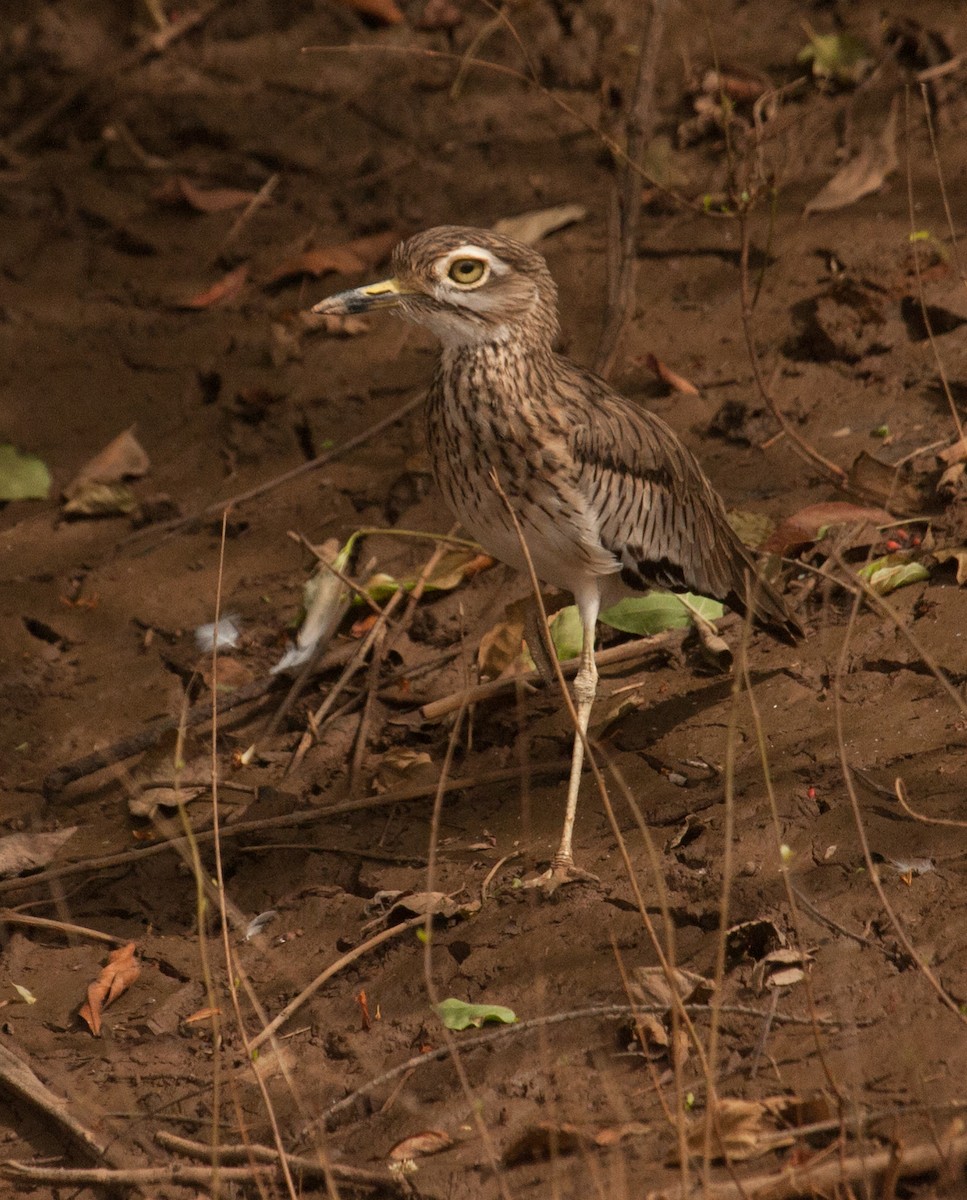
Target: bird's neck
column 497, row 358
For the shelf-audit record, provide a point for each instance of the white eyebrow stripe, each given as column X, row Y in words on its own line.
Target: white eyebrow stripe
column 497, row 265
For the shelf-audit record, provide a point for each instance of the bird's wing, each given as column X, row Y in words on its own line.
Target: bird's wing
column 654, row 508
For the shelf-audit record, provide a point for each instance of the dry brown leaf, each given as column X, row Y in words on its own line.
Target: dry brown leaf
column 959, row 556
column 122, row 458
column 807, row 525
column 228, row 288
column 179, row 191
column 650, row 985
column 349, row 258
column 530, row 227
column 201, row 1014
column 956, row 453
column 430, row 1141
column 678, row 383
column 883, row 482
column 500, row 648
column 863, row 174
column 781, row 968
column 121, row 970
column 381, row 10
column 742, row 1129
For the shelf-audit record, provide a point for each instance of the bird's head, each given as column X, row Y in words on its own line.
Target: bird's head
column 469, row 286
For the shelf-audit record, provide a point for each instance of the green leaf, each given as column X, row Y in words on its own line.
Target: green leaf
column 886, row 574
column 567, row 633
column 22, row 476
column 455, row 1014
column 837, row 56
column 658, row 611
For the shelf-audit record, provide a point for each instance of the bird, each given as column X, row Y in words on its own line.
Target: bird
column 527, row 445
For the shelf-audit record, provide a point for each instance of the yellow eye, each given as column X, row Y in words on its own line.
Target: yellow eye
column 467, row 270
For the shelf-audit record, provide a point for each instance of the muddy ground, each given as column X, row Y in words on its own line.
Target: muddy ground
column 131, row 298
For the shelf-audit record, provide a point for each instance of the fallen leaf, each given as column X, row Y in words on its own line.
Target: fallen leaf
column 457, row 1015
column 258, row 923
column 954, row 454
column 201, row 1014
column 501, row 647
column 228, row 288
column 101, row 500
column 753, row 528
column 567, row 633
column 678, row 383
column 741, row 1129
column 430, row 1141
column 325, row 600
column 22, row 476
column 959, row 556
column 530, row 227
column 225, row 634
column 863, row 174
column 781, row 968
column 25, row 994
column 348, row 258
column 181, row 191
column 752, row 940
column 657, row 611
column 385, row 11
column 452, row 569
column 651, row 985
column 121, row 970
column 21, row 852
column 885, row 575
column 882, row 481
column 837, row 57
column 810, row 524
column 232, row 675
column 122, row 458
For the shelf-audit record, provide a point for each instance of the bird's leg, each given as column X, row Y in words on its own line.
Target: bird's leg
column 562, row 868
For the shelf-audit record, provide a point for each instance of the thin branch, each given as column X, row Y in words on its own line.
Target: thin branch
column 639, row 126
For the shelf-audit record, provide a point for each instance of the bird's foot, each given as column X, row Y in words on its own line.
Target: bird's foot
column 561, row 871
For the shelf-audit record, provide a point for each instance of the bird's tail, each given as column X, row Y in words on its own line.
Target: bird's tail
column 756, row 597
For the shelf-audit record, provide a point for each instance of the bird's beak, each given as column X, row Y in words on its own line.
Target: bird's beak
column 384, row 294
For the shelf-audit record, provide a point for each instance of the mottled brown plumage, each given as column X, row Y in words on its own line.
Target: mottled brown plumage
column 607, row 497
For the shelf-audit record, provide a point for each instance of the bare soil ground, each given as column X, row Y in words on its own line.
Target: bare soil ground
column 765, row 799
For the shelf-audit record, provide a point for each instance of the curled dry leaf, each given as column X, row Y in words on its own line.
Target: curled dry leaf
column 121, row 970
column 227, row 289
column 122, row 458
column 651, row 985
column 956, row 453
column 742, row 1129
column 430, row 1141
column 500, row 647
column 958, row 556
column 385, row 11
column 863, row 174
column 179, row 191
column 348, row 258
column 530, row 227
column 781, row 968
column 678, row 383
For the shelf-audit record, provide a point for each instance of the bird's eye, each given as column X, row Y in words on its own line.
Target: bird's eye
column 467, row 270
